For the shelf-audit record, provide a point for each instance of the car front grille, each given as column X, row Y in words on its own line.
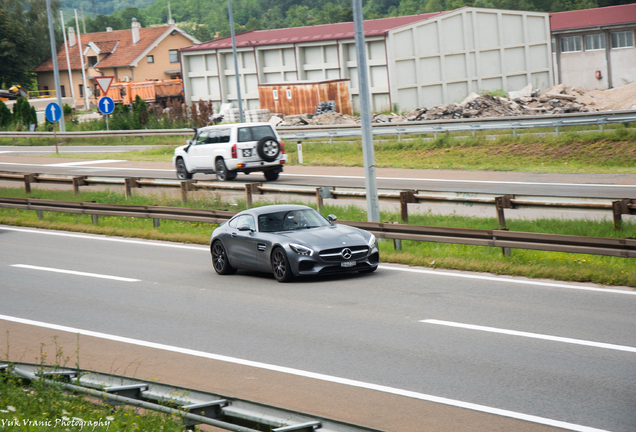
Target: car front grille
column 344, row 253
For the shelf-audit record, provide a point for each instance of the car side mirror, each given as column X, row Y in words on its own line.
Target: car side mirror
column 244, row 228
column 332, row 218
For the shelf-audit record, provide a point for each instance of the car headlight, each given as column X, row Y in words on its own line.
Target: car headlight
column 372, row 241
column 301, row 250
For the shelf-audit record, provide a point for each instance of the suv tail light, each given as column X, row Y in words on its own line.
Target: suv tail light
column 282, row 147
column 234, row 155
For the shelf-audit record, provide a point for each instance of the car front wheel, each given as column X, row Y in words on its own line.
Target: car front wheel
column 280, row 266
column 220, row 260
column 182, row 171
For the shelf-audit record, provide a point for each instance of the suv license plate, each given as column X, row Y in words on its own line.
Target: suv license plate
column 348, row 264
column 247, row 152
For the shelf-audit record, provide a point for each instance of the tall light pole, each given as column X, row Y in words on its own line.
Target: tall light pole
column 373, row 204
column 236, row 71
column 56, row 72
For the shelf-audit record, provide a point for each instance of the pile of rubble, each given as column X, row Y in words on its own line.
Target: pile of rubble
column 555, row 100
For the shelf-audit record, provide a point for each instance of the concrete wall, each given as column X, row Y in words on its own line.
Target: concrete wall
column 424, row 64
column 444, row 59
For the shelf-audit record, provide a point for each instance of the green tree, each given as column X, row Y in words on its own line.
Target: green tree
column 23, row 113
column 5, row 116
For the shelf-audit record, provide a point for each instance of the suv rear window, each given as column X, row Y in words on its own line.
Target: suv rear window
column 254, row 133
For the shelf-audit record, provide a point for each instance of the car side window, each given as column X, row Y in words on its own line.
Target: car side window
column 213, row 137
column 233, row 222
column 224, row 135
column 244, row 135
column 245, row 220
column 203, row 136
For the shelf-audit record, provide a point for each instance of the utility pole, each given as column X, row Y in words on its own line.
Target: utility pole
column 373, row 204
column 236, row 70
column 68, row 60
column 56, row 72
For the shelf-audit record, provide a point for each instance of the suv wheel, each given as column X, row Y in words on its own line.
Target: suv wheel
column 268, row 148
column 182, row 172
column 222, row 173
column 271, row 175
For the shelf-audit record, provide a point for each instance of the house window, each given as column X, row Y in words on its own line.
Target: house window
column 571, row 43
column 62, row 91
column 81, row 89
column 97, row 91
column 150, row 59
column 594, row 42
column 174, row 56
column 622, row 39
column 92, row 61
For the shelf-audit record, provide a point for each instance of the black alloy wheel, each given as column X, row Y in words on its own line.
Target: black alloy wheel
column 222, row 173
column 280, row 266
column 220, row 261
column 182, row 172
column 268, row 149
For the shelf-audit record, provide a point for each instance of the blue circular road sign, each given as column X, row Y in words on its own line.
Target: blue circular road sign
column 106, row 105
column 53, row 112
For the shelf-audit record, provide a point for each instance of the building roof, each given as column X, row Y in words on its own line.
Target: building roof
column 324, row 32
column 116, row 44
column 611, row 15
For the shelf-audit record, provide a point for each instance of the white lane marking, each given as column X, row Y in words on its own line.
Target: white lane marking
column 111, row 239
column 462, row 181
column 531, row 335
column 509, row 280
column 75, row 273
column 70, row 164
column 362, row 177
column 89, row 167
column 384, row 267
column 314, row 375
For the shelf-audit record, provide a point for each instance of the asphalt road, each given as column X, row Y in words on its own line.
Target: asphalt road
column 559, row 352
column 616, row 186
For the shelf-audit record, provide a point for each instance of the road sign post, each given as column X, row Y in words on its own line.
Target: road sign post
column 106, row 106
column 53, row 114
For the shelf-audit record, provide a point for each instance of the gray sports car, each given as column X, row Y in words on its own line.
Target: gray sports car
column 291, row 240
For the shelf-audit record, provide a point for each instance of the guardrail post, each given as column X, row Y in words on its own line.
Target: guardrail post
column 406, row 197
column 250, row 189
column 186, row 186
column 501, row 203
column 77, row 182
column 156, row 222
column 619, row 208
column 95, row 219
column 130, row 184
column 28, row 178
column 321, row 194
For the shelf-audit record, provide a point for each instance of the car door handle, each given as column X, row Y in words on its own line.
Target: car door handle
column 234, row 234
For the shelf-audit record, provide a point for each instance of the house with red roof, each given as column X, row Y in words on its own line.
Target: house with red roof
column 413, row 61
column 138, row 54
column 594, row 48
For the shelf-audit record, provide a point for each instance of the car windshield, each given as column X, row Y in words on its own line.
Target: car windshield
column 291, row 220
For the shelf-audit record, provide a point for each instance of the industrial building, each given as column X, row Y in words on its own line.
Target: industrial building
column 594, row 48
column 413, row 61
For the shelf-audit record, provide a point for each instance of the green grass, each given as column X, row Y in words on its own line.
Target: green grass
column 537, row 264
column 38, row 407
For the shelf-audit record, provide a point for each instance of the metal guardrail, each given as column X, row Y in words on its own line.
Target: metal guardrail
column 379, row 129
column 501, row 202
column 478, row 237
column 192, row 406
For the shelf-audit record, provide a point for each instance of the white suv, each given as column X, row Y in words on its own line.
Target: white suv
column 226, row 150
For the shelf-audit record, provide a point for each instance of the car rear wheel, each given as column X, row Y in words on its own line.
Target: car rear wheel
column 222, row 173
column 280, row 266
column 271, row 175
column 182, row 171
column 220, row 260
column 268, row 148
